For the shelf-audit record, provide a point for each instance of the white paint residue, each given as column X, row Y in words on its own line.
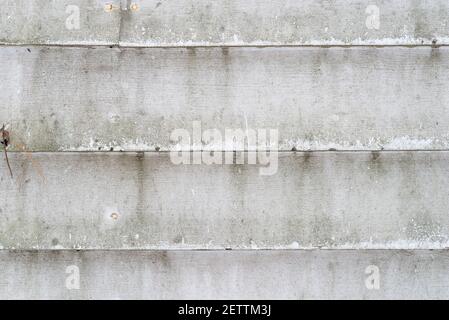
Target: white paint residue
column 293, row 245
column 235, row 41
column 313, row 144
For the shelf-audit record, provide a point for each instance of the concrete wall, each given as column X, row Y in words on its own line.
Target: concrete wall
column 314, row 274
column 350, row 200
column 361, row 86
column 156, row 23
column 83, row 99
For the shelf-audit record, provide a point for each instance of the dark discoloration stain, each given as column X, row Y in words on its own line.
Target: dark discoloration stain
column 434, row 43
column 435, row 57
column 376, row 165
column 226, row 81
column 140, row 219
column 225, row 51
column 160, row 257
column 140, row 156
column 191, row 52
column 375, row 155
column 306, row 156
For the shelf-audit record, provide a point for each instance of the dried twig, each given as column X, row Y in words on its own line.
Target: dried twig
column 5, row 142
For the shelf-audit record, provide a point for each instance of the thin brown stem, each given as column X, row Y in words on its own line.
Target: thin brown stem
column 7, row 162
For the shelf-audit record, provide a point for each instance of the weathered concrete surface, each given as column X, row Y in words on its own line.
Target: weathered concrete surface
column 157, row 23
column 143, row 201
column 52, row 22
column 90, row 99
column 285, row 22
column 321, row 274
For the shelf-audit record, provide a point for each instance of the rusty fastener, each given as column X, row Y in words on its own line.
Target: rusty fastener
column 109, row 7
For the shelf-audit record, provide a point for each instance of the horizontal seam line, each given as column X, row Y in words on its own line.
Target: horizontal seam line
column 245, row 151
column 228, row 250
column 323, row 46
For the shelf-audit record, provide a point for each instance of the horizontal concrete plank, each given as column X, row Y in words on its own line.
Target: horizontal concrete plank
column 78, row 99
column 156, row 23
column 286, row 22
column 320, row 274
column 353, row 200
column 61, row 22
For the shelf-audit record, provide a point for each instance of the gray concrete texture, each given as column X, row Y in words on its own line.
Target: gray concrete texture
column 90, row 99
column 338, row 200
column 314, row 274
column 52, row 22
column 156, row 23
column 329, row 75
